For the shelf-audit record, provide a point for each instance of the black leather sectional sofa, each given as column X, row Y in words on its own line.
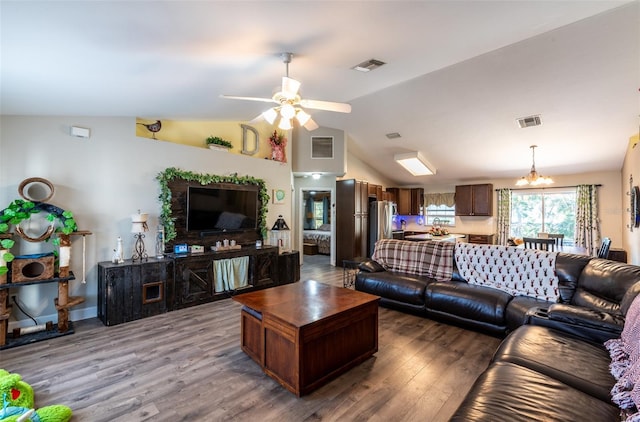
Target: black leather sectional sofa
column 552, row 365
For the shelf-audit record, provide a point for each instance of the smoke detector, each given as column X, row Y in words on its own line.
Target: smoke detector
column 529, row 121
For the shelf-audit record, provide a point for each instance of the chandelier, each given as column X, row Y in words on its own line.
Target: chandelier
column 533, row 178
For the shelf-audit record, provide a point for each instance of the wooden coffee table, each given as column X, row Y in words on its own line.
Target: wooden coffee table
column 305, row 334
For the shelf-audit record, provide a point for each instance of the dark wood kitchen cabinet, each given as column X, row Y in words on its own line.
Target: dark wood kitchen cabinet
column 408, row 200
column 474, row 200
column 352, row 219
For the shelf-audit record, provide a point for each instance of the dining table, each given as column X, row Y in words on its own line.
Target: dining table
column 577, row 250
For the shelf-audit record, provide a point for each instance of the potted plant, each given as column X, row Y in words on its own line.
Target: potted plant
column 215, row 142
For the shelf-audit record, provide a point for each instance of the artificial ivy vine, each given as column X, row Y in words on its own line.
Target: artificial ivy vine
column 20, row 210
column 173, row 173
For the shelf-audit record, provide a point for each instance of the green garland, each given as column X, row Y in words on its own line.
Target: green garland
column 20, row 210
column 173, row 173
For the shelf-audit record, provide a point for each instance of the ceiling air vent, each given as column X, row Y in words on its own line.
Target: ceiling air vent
column 368, row 66
column 529, row 121
column 393, row 135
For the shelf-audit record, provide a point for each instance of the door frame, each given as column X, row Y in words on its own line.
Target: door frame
column 300, row 212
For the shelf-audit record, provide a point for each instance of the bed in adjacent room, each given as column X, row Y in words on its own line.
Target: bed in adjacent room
column 321, row 237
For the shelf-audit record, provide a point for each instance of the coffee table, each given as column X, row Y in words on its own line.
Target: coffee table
column 307, row 333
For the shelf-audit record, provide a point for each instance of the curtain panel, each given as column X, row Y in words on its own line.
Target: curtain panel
column 504, row 216
column 587, row 232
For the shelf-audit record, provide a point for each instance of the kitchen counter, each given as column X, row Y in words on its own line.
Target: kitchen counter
column 426, row 236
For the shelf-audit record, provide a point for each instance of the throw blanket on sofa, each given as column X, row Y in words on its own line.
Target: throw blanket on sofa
column 519, row 272
column 431, row 258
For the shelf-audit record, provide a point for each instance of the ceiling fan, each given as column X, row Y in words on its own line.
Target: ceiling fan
column 290, row 105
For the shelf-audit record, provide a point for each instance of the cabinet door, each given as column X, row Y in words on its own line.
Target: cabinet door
column 464, row 200
column 483, row 200
column 389, row 195
column 265, row 269
column 193, row 281
column 416, row 200
column 345, row 219
column 404, row 201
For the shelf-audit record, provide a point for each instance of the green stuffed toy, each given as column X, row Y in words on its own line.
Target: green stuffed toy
column 18, row 403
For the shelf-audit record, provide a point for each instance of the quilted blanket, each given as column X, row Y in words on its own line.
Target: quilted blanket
column 519, row 272
column 431, row 258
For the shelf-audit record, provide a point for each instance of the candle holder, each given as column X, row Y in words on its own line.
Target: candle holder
column 139, row 226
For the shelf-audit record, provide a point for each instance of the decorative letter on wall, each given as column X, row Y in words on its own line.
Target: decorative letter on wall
column 245, row 141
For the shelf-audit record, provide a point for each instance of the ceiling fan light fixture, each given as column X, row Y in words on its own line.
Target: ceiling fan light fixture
column 285, row 124
column 534, row 178
column 287, row 111
column 302, row 117
column 415, row 163
column 270, row 115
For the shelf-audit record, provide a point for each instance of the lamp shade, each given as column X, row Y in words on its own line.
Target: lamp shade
column 415, row 163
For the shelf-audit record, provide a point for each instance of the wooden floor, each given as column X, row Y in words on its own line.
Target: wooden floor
column 187, row 366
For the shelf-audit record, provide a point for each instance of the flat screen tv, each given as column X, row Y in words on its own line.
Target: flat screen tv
column 222, row 209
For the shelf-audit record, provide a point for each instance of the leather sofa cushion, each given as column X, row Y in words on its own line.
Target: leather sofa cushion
column 568, row 269
column 512, row 393
column 603, row 284
column 578, row 363
column 398, row 287
column 472, row 302
column 519, row 306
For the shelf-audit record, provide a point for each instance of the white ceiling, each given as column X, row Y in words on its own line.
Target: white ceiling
column 458, row 73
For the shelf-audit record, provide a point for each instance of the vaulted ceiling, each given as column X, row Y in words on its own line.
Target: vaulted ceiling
column 458, row 73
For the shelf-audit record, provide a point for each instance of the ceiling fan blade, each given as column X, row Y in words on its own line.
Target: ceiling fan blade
column 234, row 97
column 259, row 118
column 290, row 87
column 310, row 125
column 326, row 105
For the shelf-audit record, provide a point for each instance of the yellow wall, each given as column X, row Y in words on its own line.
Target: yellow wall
column 195, row 132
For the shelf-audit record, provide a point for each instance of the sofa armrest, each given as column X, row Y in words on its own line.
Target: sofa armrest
column 370, row 266
column 579, row 315
column 582, row 322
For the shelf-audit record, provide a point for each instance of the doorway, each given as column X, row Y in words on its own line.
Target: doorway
column 316, row 213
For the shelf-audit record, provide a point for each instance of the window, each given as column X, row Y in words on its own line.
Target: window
column 445, row 214
column 318, row 213
column 543, row 211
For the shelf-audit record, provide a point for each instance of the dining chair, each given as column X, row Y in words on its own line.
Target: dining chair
column 559, row 238
column 603, row 252
column 539, row 243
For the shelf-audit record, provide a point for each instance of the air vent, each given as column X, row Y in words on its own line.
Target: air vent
column 393, row 135
column 529, row 121
column 368, row 66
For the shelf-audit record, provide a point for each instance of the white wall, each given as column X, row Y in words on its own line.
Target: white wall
column 631, row 168
column 103, row 180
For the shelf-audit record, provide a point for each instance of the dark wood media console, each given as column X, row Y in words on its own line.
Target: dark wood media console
column 135, row 290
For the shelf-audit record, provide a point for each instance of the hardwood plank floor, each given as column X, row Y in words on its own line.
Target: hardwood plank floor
column 188, row 365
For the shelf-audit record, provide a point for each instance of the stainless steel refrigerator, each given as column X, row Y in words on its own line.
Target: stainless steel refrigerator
column 380, row 222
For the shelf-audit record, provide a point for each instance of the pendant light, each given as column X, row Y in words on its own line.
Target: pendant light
column 533, row 178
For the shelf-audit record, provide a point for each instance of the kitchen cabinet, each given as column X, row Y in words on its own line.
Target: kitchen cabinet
column 408, row 200
column 352, row 219
column 474, row 200
column 375, row 191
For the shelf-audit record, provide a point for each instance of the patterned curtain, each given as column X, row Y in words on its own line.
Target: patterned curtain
column 326, row 208
column 587, row 233
column 448, row 199
column 504, row 215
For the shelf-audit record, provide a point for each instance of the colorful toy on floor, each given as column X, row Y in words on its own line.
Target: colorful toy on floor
column 18, row 403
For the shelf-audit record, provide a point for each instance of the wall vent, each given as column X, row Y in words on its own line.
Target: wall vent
column 393, row 135
column 529, row 121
